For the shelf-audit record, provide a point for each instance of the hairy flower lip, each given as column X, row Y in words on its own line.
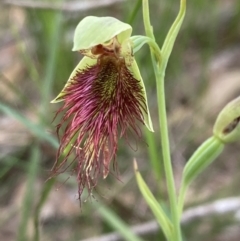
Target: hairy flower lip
column 100, row 104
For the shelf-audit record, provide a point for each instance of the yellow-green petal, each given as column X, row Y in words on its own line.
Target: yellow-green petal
column 136, row 73
column 92, row 31
column 83, row 64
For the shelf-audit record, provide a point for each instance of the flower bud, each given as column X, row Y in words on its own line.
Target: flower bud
column 227, row 125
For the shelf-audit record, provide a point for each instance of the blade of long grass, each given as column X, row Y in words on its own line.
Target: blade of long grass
column 51, row 60
column 43, row 197
column 134, row 12
column 8, row 164
column 36, row 129
column 116, row 222
column 28, row 198
column 14, row 89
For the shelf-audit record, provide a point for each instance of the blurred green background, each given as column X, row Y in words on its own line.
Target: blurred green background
column 36, row 60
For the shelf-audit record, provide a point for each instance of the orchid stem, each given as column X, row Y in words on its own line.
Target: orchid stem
column 166, row 155
column 159, row 70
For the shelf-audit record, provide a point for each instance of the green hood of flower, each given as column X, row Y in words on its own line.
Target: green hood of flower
column 92, row 31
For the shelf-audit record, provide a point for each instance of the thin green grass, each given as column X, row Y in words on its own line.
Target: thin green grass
column 116, row 222
column 28, row 199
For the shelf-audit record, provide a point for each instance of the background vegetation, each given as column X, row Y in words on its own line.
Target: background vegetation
column 36, row 60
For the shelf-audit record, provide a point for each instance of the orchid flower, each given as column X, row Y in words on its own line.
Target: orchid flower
column 103, row 99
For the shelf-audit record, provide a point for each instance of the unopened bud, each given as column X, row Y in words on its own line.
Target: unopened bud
column 227, row 125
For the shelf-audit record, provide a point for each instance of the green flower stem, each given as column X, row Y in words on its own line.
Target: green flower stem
column 166, row 155
column 160, row 74
column 159, row 70
column 146, row 20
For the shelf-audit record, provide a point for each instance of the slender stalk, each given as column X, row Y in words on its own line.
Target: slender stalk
column 159, row 70
column 146, row 20
column 166, row 155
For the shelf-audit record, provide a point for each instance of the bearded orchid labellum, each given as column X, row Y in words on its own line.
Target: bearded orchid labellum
column 103, row 99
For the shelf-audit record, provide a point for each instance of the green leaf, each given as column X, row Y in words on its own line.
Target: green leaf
column 156, row 208
column 92, row 31
column 202, row 158
column 172, row 34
